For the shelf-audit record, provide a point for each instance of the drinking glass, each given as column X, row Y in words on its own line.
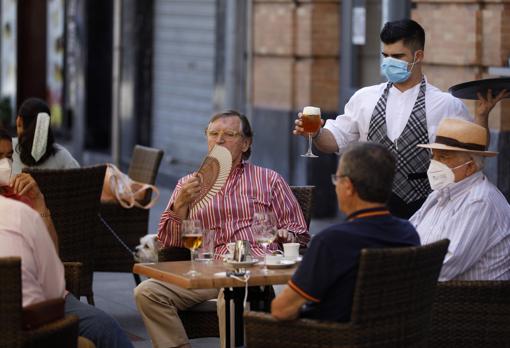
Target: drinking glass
column 192, row 236
column 264, row 228
column 206, row 252
column 311, row 120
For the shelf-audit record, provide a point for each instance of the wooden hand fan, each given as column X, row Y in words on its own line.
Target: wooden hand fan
column 213, row 174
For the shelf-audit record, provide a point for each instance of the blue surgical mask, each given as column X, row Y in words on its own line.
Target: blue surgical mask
column 395, row 70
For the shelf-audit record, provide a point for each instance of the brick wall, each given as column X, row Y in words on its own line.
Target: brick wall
column 465, row 38
column 295, row 54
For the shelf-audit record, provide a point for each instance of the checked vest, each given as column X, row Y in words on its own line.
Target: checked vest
column 411, row 183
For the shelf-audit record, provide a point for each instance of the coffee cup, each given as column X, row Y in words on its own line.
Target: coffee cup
column 274, row 259
column 291, row 251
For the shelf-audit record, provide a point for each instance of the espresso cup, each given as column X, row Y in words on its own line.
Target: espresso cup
column 291, row 251
column 274, row 259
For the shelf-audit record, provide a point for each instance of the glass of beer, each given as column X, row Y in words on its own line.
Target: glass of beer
column 192, row 237
column 311, row 120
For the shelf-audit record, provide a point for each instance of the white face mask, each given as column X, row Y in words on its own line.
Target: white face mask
column 440, row 175
column 5, row 171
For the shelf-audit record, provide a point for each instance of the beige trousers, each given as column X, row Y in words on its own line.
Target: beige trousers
column 158, row 303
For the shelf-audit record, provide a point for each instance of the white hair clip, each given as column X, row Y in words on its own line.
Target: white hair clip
column 40, row 135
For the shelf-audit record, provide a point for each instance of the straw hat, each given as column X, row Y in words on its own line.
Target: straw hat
column 455, row 134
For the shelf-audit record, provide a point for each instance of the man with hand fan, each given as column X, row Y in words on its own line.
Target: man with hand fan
column 224, row 195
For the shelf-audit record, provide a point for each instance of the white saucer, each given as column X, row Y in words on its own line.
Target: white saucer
column 242, row 263
column 298, row 259
column 281, row 264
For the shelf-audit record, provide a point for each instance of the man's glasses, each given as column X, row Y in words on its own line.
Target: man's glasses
column 336, row 177
column 227, row 134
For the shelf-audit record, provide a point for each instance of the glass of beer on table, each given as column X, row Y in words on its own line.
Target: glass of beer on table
column 311, row 120
column 192, row 237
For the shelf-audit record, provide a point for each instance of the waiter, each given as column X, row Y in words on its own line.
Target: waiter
column 399, row 114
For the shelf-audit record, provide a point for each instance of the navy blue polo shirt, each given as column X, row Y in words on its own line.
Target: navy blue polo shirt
column 327, row 275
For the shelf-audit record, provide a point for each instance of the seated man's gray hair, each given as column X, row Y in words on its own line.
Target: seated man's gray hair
column 371, row 169
column 479, row 161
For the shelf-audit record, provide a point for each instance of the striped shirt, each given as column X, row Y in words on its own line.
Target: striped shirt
column 248, row 189
column 475, row 217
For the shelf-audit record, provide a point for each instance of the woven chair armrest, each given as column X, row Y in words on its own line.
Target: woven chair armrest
column 482, row 291
column 263, row 330
column 471, row 314
column 474, row 284
column 72, row 276
column 53, row 334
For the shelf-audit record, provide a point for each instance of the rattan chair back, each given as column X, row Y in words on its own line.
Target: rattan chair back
column 62, row 333
column 471, row 314
column 144, row 165
column 10, row 302
column 395, row 290
column 304, row 196
column 129, row 224
column 73, row 197
column 391, row 307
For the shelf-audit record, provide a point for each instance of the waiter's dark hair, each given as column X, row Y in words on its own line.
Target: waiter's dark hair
column 371, row 169
column 28, row 112
column 407, row 30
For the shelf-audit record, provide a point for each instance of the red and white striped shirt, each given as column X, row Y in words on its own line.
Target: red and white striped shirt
column 249, row 189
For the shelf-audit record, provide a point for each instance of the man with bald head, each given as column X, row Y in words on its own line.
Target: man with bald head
column 464, row 206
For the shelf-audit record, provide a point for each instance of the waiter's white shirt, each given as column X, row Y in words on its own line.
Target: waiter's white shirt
column 353, row 125
column 24, row 234
column 475, row 216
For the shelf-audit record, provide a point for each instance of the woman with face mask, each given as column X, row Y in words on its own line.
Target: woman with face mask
column 35, row 145
column 399, row 114
column 22, row 187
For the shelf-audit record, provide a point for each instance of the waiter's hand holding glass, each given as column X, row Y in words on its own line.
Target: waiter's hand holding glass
column 310, row 124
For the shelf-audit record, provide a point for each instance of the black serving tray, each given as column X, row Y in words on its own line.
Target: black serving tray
column 468, row 90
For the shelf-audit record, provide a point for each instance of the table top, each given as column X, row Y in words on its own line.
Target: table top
column 210, row 277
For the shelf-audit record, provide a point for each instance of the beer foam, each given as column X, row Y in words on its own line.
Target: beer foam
column 311, row 110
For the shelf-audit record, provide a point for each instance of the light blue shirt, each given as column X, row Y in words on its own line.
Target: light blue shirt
column 475, row 216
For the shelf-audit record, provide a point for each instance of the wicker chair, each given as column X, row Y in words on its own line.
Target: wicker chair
column 61, row 333
column 391, row 307
column 202, row 320
column 304, row 196
column 471, row 314
column 72, row 276
column 73, row 195
column 129, row 224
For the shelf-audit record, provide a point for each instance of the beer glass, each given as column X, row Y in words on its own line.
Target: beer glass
column 192, row 236
column 311, row 120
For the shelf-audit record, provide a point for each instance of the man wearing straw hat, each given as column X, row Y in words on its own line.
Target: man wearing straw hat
column 464, row 206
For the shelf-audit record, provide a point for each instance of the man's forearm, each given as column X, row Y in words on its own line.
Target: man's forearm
column 482, row 119
column 325, row 141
